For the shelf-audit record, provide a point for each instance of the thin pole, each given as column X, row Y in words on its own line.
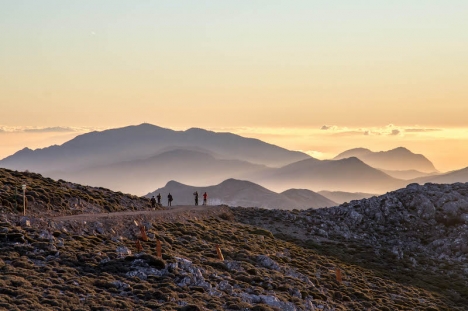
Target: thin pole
column 24, row 199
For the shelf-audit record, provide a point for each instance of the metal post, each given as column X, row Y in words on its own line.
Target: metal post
column 24, row 199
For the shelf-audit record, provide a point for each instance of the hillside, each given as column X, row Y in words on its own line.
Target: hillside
column 142, row 142
column 416, row 235
column 234, row 192
column 405, row 250
column 96, row 266
column 398, row 159
column 408, row 175
column 342, row 197
column 447, row 178
column 350, row 175
column 47, row 196
column 305, row 197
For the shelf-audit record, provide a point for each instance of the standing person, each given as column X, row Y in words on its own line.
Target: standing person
column 196, row 197
column 153, row 202
column 169, row 199
column 204, row 198
column 159, row 198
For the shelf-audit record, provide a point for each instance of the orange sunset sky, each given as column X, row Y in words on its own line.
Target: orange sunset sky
column 316, row 76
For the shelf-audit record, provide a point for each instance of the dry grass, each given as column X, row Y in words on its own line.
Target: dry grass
column 44, row 195
column 71, row 272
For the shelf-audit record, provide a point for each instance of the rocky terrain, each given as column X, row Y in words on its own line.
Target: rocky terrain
column 417, row 235
column 71, row 265
column 326, row 259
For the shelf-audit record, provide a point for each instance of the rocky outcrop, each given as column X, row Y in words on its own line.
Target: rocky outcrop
column 417, row 234
column 429, row 221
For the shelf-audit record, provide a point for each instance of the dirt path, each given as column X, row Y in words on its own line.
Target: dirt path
column 167, row 211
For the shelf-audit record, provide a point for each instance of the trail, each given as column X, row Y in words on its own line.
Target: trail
column 200, row 209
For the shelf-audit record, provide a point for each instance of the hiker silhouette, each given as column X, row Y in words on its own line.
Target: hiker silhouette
column 196, row 197
column 169, row 199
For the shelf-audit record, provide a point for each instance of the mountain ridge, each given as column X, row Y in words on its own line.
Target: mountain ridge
column 397, row 159
column 234, row 192
column 140, row 141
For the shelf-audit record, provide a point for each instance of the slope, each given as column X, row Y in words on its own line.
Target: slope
column 415, row 235
column 342, row 197
column 447, row 178
column 45, row 195
column 306, row 197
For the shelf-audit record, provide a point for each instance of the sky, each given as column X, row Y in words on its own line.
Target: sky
column 276, row 70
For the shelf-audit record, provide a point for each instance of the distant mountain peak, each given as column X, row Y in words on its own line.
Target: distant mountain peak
column 173, row 183
column 397, row 159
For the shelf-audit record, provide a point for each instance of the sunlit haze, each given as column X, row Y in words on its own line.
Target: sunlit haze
column 316, row 76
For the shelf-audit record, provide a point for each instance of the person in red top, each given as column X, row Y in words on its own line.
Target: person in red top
column 204, row 198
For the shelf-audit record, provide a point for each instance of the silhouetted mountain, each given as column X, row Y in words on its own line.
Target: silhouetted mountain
column 350, row 174
column 398, row 159
column 305, row 197
column 341, row 197
column 141, row 142
column 142, row 176
column 447, row 178
column 242, row 193
column 407, row 175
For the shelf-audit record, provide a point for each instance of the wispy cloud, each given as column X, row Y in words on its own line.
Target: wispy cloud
column 56, row 129
column 421, row 130
column 36, row 129
column 390, row 130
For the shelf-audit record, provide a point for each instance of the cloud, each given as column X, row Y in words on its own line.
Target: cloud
column 347, row 133
column 328, row 127
column 37, row 129
column 56, row 129
column 395, row 132
column 421, row 130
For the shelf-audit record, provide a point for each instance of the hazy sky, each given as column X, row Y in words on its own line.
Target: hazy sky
column 269, row 66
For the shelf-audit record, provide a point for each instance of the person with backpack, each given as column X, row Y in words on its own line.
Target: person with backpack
column 169, row 199
column 196, row 197
column 204, row 198
column 153, row 202
column 159, row 198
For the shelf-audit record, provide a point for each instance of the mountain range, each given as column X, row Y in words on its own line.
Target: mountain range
column 142, row 176
column 141, row 142
column 234, row 192
column 349, row 174
column 398, row 159
column 138, row 159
